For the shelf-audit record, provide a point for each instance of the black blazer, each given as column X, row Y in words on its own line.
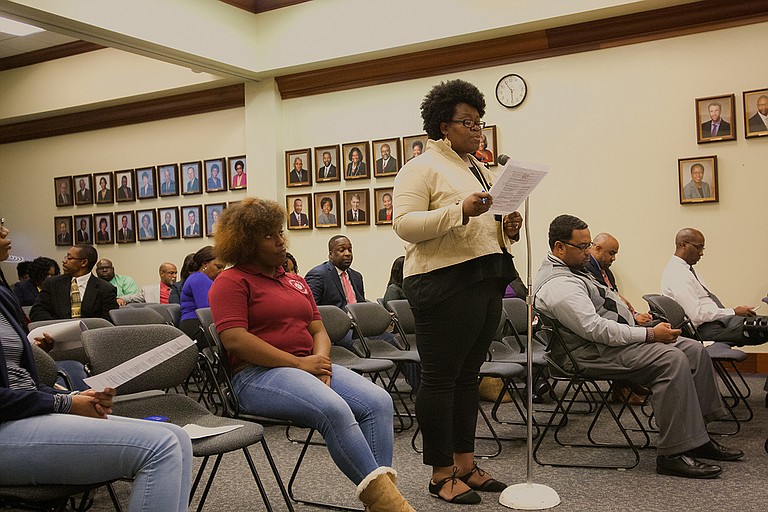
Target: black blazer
column 594, row 268
column 706, row 129
column 326, row 287
column 360, row 216
column 53, row 303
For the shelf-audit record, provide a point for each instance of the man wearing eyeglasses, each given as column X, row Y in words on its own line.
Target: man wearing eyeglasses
column 712, row 319
column 60, row 294
column 601, row 335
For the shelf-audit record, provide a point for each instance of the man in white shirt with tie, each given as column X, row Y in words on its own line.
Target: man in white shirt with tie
column 327, row 170
column 297, row 218
column 713, row 320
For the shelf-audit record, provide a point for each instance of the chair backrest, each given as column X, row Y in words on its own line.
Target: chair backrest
column 46, row 366
column 405, row 323
column 371, row 319
column 107, row 348
column 166, row 310
column 136, row 316
column 668, row 309
column 551, row 334
column 73, row 354
column 219, row 372
column 136, row 304
column 337, row 323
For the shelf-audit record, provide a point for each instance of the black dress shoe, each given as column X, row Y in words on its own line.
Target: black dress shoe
column 685, row 466
column 715, row 451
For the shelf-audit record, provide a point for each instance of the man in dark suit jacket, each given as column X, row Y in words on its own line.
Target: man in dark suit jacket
column 97, row 299
column 83, row 193
column 298, row 174
column 386, row 164
column 724, row 128
column 124, row 192
column 757, row 122
column 355, row 214
column 63, row 237
column 125, row 234
column 297, row 218
column 327, row 170
column 82, row 236
column 324, row 280
column 193, row 183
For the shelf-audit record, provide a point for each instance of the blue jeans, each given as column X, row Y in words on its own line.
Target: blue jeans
column 71, row 450
column 354, row 415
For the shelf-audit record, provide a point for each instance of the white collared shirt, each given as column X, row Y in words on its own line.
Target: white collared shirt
column 679, row 283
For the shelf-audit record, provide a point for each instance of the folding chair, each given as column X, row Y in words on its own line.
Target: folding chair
column 171, row 312
column 74, row 354
column 720, row 353
column 577, row 380
column 136, row 316
column 134, row 340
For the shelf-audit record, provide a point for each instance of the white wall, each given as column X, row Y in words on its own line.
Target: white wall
column 611, row 123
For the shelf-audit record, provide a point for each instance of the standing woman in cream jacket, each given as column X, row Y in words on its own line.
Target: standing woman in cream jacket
column 457, row 265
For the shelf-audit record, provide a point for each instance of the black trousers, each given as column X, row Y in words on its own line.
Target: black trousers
column 453, row 337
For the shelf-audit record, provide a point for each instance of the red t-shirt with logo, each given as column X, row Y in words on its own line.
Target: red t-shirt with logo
column 278, row 309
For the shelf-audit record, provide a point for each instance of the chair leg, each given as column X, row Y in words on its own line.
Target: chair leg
column 256, row 478
column 276, row 474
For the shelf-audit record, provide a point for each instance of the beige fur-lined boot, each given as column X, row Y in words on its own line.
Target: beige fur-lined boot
column 379, row 494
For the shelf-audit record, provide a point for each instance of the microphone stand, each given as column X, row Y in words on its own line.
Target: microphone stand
column 528, row 495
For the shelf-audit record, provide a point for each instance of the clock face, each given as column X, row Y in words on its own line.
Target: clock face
column 511, row 90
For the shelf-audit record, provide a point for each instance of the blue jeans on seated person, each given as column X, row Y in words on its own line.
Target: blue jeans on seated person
column 354, row 415
column 74, row 450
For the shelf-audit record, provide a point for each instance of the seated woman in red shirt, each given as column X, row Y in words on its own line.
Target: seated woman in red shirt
column 279, row 352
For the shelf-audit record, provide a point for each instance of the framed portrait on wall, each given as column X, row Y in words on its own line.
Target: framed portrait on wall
column 413, row 146
column 84, row 229
column 356, row 158
column 299, row 208
column 488, row 149
column 103, row 224
column 387, row 156
column 146, row 182
column 126, row 186
column 327, row 164
column 168, row 176
column 356, row 207
column 191, row 217
column 169, row 219
column 125, row 231
column 384, row 205
column 62, row 187
column 697, row 179
column 755, row 113
column 104, row 189
column 83, row 189
column 212, row 214
column 62, row 227
column 215, row 178
column 147, row 224
column 237, row 172
column 190, row 178
column 326, row 209
column 298, row 168
column 716, row 119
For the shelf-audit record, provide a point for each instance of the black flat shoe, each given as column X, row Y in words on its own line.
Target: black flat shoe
column 490, row 485
column 469, row 497
column 686, row 467
column 715, row 451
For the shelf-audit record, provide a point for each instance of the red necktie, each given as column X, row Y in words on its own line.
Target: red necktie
column 348, row 291
column 606, row 279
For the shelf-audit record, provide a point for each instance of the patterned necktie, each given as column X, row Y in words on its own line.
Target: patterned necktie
column 348, row 291
column 711, row 295
column 74, row 298
column 606, row 279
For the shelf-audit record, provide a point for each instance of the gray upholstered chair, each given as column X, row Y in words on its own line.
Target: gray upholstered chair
column 136, row 316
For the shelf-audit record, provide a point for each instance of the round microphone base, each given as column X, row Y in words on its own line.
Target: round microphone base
column 529, row 497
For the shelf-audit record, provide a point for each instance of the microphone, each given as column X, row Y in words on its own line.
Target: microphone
column 502, row 159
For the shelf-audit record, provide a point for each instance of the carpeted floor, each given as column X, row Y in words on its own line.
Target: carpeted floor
column 742, row 486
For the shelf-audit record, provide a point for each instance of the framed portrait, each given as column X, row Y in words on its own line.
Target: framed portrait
column 191, row 216
column 62, row 227
column 212, row 213
column 147, row 224
column 105, row 192
column 697, row 179
column 83, row 189
column 383, row 203
column 215, row 175
column 298, row 168
column 146, row 180
column 716, row 119
column 756, row 113
column 125, row 228
column 168, row 176
column 62, row 187
column 237, row 172
column 103, row 224
column 169, row 222
column 126, row 185
column 488, row 149
column 356, row 207
column 326, row 209
column 190, row 178
column 299, row 208
column 387, row 157
column 327, row 164
column 356, row 159
column 413, row 146
column 84, row 229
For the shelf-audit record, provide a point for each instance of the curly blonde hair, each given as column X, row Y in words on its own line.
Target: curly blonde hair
column 241, row 224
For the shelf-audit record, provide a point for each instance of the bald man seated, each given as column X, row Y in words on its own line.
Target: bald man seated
column 163, row 292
